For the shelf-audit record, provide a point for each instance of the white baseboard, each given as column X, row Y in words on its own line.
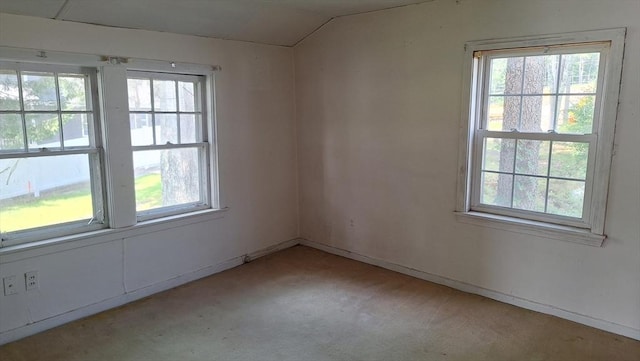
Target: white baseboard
column 275, row 248
column 58, row 320
column 498, row 296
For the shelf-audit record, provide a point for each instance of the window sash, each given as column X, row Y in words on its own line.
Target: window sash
column 204, row 201
column 484, row 71
column 476, row 177
column 91, row 96
column 97, row 221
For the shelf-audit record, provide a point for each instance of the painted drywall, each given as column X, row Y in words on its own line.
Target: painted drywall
column 257, row 174
column 378, row 100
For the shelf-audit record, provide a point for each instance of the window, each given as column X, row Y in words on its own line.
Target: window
column 169, row 142
column 70, row 165
column 540, row 120
column 50, row 163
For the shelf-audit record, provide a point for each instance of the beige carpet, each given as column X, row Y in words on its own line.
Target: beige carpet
column 304, row 304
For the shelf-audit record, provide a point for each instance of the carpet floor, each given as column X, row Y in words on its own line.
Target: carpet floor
column 304, row 304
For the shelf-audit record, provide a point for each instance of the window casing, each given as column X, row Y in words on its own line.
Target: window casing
column 538, row 131
column 51, row 163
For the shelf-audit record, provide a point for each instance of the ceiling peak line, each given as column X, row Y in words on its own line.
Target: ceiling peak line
column 311, row 33
column 62, row 10
column 418, row 2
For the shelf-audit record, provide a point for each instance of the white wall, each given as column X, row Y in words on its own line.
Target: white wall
column 257, row 169
column 378, row 109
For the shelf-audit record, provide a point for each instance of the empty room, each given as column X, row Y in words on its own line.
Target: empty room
column 320, row 180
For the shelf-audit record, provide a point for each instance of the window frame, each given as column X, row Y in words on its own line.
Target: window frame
column 589, row 229
column 110, row 107
column 94, row 152
column 482, row 133
column 201, row 144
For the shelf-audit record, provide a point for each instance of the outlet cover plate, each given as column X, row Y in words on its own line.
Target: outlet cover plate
column 10, row 285
column 31, row 280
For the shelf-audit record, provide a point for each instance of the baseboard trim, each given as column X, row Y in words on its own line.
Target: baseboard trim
column 272, row 249
column 58, row 320
column 469, row 288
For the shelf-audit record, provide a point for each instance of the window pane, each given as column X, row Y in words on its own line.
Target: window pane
column 529, row 193
column 166, row 128
column 187, row 96
column 496, row 189
column 565, row 197
column 495, row 113
column 11, row 133
column 188, row 128
column 537, row 113
column 9, row 93
column 39, row 91
column 73, row 92
column 504, row 113
column 579, row 73
column 43, row 130
column 540, row 74
column 506, row 76
column 141, row 130
column 575, row 114
column 166, row 177
column 139, row 91
column 532, row 157
column 75, row 129
column 497, row 73
column 164, row 95
column 43, row 191
column 498, row 154
column 569, row 160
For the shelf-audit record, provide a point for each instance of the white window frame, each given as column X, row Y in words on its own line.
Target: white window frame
column 589, row 229
column 201, row 144
column 93, row 151
column 113, row 142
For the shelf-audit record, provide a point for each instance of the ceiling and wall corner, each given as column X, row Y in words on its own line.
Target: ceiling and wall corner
column 283, row 22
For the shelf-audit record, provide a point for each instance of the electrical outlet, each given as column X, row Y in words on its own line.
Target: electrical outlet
column 31, row 280
column 10, row 285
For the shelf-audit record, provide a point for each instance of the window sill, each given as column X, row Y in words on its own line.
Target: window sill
column 540, row 229
column 58, row 244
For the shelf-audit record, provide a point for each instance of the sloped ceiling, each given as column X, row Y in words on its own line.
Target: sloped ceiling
column 277, row 22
